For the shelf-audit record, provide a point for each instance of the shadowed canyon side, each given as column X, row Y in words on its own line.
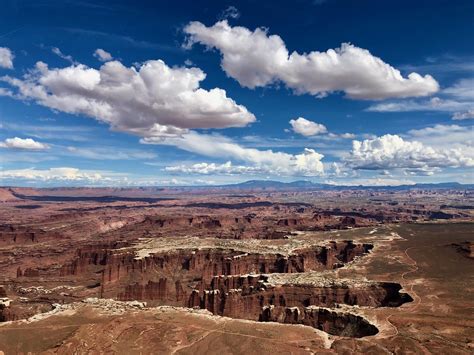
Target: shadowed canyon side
column 277, row 260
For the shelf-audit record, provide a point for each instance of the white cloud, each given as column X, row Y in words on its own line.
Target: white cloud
column 60, row 54
column 392, row 151
column 294, row 168
column 308, row 163
column 425, row 171
column 257, row 59
column 109, row 153
column 451, row 140
column 342, row 135
column 457, row 99
column 102, row 55
column 463, row 89
column 6, row 58
column 433, row 104
column 443, row 64
column 373, row 182
column 438, row 130
column 203, row 182
column 23, row 143
column 339, row 170
column 58, row 174
column 467, row 115
column 445, row 136
column 229, row 12
column 215, row 169
column 68, row 176
column 307, row 128
column 347, row 135
column 147, row 101
column 52, row 132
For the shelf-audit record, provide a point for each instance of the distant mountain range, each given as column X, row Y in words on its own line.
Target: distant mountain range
column 304, row 184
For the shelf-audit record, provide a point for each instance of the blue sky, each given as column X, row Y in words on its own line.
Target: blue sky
column 147, row 93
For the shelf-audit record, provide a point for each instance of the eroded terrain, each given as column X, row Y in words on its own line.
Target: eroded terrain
column 143, row 270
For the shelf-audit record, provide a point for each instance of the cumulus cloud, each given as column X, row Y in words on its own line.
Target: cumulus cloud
column 23, row 143
column 152, row 99
column 392, row 151
column 257, row 59
column 102, row 55
column 6, row 58
column 306, row 127
column 308, row 163
column 309, row 128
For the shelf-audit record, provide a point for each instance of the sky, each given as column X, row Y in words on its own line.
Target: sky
column 122, row 93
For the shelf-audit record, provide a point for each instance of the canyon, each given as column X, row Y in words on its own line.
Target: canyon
column 292, row 258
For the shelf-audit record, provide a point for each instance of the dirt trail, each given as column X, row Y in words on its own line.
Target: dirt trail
column 417, row 299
